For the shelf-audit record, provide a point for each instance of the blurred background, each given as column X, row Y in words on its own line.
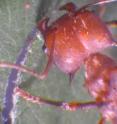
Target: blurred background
column 17, row 18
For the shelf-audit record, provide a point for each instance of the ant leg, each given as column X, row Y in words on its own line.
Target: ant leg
column 42, row 25
column 21, row 68
column 70, row 7
column 44, row 74
column 112, row 23
column 27, row 70
column 50, row 59
column 102, row 2
column 70, row 106
column 30, row 71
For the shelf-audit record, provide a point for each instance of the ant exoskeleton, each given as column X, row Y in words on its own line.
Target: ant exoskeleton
column 74, row 39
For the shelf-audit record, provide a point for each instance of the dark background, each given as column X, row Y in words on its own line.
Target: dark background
column 15, row 23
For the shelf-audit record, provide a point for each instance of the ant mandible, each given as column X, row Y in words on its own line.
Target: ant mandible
column 71, row 41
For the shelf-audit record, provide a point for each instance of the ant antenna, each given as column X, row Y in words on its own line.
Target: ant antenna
column 97, row 3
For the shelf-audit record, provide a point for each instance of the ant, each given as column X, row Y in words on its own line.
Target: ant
column 71, row 41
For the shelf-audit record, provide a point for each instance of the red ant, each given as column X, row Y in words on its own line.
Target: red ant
column 71, row 41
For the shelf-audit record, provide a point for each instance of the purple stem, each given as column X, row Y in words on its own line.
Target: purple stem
column 14, row 77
